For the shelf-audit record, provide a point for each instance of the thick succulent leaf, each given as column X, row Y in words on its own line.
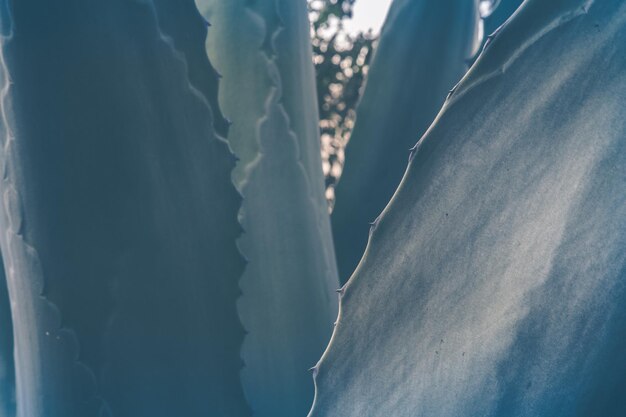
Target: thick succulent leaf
column 7, row 370
column 7, row 364
column 288, row 305
column 494, row 282
column 119, row 216
column 421, row 55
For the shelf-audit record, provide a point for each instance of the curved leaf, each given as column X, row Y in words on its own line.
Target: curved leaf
column 7, row 363
column 7, row 368
column 493, row 284
column 422, row 53
column 119, row 217
column 288, row 305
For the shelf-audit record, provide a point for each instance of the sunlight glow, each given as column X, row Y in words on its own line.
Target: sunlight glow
column 368, row 14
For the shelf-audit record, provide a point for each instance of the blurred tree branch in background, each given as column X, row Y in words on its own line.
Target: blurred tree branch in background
column 341, row 61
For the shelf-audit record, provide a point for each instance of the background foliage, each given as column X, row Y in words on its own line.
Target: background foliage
column 341, row 63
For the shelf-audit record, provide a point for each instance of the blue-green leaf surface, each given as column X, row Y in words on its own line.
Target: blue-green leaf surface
column 7, row 369
column 7, row 364
column 119, row 216
column 262, row 49
column 494, row 282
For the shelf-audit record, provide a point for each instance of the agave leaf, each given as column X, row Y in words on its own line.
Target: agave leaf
column 119, row 217
column 288, row 305
column 7, row 370
column 7, row 364
column 493, row 284
column 422, row 53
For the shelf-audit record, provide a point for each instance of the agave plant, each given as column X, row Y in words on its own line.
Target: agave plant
column 492, row 283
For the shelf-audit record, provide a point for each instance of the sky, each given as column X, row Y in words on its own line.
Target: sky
column 368, row 14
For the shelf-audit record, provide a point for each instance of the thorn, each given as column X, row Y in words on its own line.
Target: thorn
column 492, row 36
column 413, row 151
column 453, row 89
column 375, row 222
